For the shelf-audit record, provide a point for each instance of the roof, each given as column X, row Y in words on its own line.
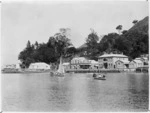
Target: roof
column 65, row 64
column 82, row 60
column 93, row 61
column 39, row 63
column 83, row 46
column 79, row 58
column 145, row 58
column 138, row 61
column 112, row 55
column 125, row 62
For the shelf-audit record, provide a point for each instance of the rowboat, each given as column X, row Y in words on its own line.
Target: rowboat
column 99, row 76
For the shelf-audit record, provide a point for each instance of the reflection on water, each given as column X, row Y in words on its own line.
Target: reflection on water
column 75, row 92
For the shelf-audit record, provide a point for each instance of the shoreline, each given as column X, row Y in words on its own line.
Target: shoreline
column 24, row 71
column 30, row 72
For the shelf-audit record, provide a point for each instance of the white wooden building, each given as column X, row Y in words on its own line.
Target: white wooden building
column 135, row 63
column 39, row 65
column 143, row 59
column 108, row 61
column 80, row 63
column 120, row 64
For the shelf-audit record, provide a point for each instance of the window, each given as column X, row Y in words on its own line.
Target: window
column 105, row 59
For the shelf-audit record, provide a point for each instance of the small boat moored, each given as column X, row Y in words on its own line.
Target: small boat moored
column 99, row 76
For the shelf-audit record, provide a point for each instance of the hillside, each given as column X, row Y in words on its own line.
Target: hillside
column 133, row 43
column 141, row 26
column 82, row 46
column 135, row 40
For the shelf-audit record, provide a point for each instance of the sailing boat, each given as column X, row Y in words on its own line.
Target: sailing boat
column 60, row 72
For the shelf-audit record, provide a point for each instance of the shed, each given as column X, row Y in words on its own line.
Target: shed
column 135, row 63
column 39, row 65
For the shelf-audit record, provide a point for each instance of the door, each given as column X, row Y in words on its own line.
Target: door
column 105, row 65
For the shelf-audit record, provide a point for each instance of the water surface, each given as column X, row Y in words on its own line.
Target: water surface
column 75, row 92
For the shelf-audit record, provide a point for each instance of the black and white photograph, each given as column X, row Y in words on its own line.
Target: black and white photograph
column 74, row 56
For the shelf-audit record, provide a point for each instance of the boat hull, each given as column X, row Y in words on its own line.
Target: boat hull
column 99, row 78
column 57, row 74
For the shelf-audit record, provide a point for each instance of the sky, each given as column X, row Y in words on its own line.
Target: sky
column 37, row 21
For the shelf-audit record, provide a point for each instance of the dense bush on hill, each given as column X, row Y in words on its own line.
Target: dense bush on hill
column 50, row 52
column 132, row 42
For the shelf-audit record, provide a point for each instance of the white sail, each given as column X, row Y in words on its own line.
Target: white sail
column 60, row 68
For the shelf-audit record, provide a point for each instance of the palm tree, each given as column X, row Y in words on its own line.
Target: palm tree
column 119, row 28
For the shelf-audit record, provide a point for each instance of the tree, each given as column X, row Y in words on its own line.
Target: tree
column 124, row 31
column 51, row 42
column 62, row 42
column 108, row 42
column 26, row 56
column 57, row 46
column 92, row 44
column 123, row 45
column 70, row 51
column 28, row 61
column 119, row 28
column 28, row 44
column 46, row 54
column 135, row 22
column 92, row 39
column 36, row 45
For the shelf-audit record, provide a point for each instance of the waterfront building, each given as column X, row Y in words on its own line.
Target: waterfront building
column 143, row 59
column 11, row 66
column 145, row 55
column 122, row 64
column 79, row 63
column 135, row 64
column 94, row 64
column 108, row 61
column 39, row 66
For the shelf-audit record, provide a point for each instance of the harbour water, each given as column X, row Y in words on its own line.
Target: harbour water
column 75, row 92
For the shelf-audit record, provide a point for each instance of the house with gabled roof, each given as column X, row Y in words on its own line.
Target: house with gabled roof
column 135, row 64
column 143, row 59
column 108, row 61
column 121, row 64
column 80, row 63
column 39, row 65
